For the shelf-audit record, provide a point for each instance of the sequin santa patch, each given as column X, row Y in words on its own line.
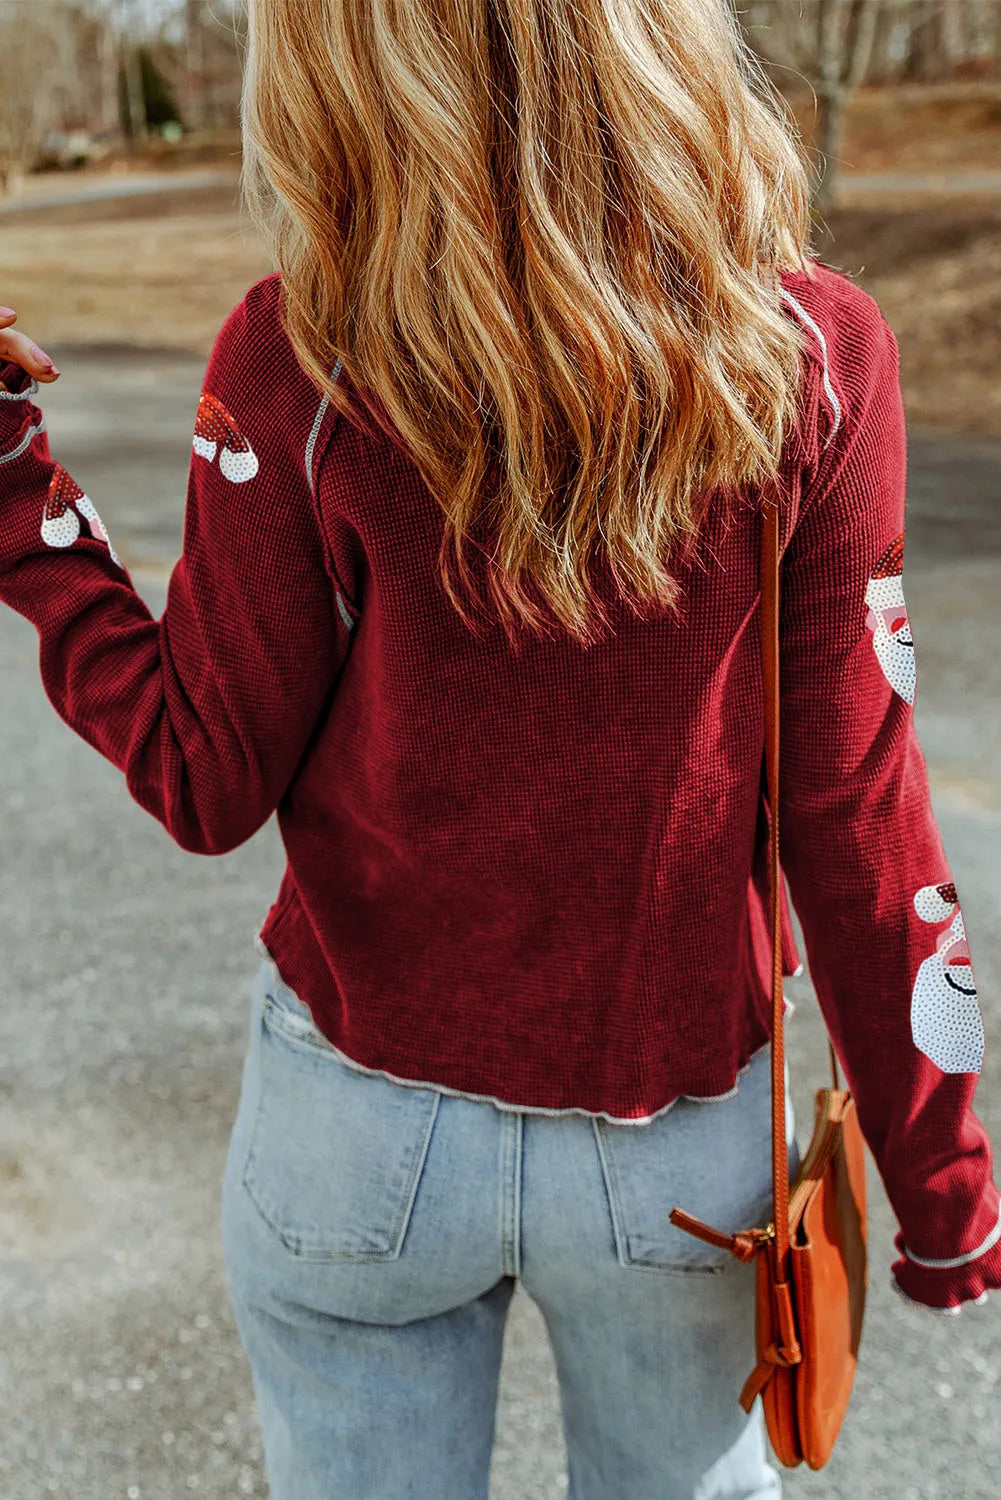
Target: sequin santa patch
column 946, row 1023
column 216, row 431
column 65, row 504
column 888, row 621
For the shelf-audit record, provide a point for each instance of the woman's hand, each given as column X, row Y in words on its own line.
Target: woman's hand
column 19, row 348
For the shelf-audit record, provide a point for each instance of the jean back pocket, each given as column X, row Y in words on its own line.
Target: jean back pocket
column 712, row 1159
column 335, row 1155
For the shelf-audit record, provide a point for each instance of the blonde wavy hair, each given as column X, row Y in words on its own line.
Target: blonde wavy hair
column 546, row 235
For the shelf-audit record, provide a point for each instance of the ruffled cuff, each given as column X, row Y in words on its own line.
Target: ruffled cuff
column 938, row 1311
column 944, row 1285
column 20, row 386
column 20, row 418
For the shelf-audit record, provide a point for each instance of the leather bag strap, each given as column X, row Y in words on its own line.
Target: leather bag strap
column 770, row 677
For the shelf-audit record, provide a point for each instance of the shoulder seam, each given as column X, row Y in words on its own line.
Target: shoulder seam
column 314, row 451
column 814, row 328
column 314, row 462
column 853, row 422
column 314, row 433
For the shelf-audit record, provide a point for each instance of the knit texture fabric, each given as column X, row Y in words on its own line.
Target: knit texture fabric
column 540, row 875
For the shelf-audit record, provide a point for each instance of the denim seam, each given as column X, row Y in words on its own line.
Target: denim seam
column 629, row 1258
column 510, row 1193
column 274, row 1014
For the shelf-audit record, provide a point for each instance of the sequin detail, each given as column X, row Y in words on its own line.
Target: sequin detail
column 64, row 505
column 946, row 1022
column 216, row 431
column 888, row 620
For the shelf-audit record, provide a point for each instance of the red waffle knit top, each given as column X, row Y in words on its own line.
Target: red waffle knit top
column 538, row 876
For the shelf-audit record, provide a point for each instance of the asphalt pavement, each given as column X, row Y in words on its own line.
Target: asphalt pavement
column 126, row 968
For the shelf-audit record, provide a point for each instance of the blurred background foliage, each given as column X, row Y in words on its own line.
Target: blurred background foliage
column 100, row 100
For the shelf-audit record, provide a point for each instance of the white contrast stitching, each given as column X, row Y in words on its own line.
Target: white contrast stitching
column 315, row 431
column 20, row 395
column 32, row 432
column 527, row 1109
column 828, row 387
column 349, row 622
column 310, row 445
column 310, row 449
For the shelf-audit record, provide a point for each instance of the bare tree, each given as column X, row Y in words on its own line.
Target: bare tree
column 130, row 27
column 845, row 33
column 36, row 43
column 194, row 25
column 829, row 45
column 109, row 19
column 942, row 36
column 109, row 113
column 214, row 35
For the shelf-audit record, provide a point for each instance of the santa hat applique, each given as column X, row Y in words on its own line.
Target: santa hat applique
column 891, row 562
column 935, row 903
column 61, row 521
column 946, row 1021
column 888, row 620
column 215, row 429
column 886, row 582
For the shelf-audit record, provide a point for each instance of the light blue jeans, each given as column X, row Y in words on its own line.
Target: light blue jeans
column 373, row 1234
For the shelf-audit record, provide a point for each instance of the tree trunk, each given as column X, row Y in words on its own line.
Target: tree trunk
column 195, row 62
column 953, row 32
column 831, row 99
column 831, row 23
column 136, row 102
column 922, row 62
column 110, row 114
column 866, row 18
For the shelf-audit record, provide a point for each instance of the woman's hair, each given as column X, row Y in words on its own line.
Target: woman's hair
column 546, row 235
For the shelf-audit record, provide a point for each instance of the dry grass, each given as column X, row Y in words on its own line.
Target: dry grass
column 917, row 128
column 933, row 268
column 156, row 272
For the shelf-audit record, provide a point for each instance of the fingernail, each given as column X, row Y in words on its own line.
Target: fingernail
column 40, row 355
column 7, row 312
column 53, row 370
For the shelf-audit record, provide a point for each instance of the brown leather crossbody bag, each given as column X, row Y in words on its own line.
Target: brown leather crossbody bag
column 812, row 1269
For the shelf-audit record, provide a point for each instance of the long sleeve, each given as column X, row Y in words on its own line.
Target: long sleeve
column 209, row 709
column 886, row 945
